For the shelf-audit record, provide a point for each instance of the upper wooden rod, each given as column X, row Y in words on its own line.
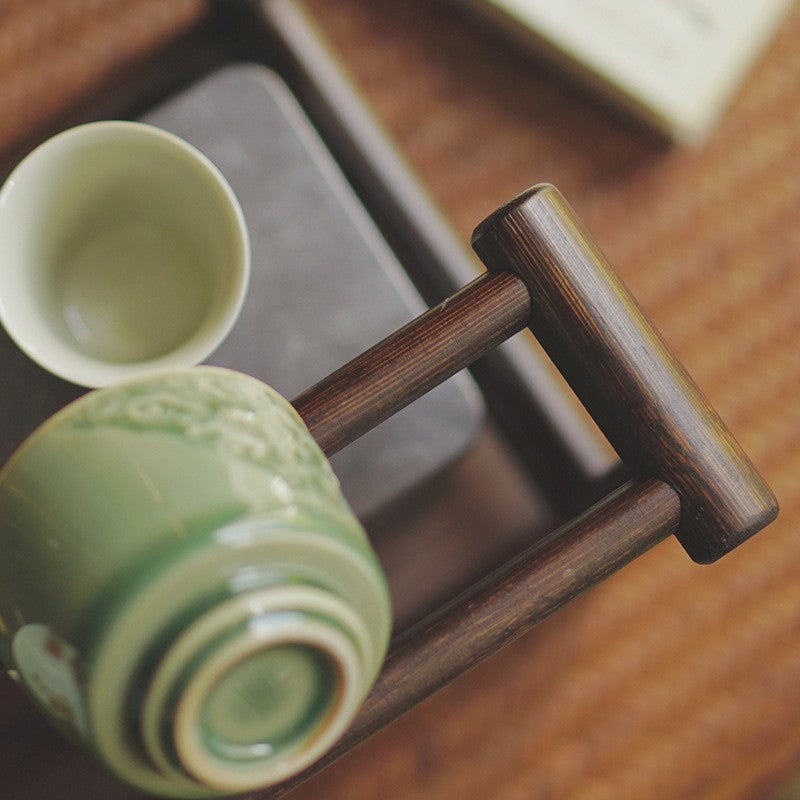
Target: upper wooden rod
column 414, row 359
column 624, row 373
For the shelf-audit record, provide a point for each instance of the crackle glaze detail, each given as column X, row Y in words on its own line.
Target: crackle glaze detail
column 248, row 420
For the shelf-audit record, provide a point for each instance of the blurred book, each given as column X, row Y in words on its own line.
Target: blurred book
column 676, row 63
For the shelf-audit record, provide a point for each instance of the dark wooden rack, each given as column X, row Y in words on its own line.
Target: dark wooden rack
column 693, row 481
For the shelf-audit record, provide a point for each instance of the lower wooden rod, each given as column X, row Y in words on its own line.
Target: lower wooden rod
column 410, row 362
column 507, row 604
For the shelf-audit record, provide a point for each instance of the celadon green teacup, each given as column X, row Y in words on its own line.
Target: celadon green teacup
column 123, row 250
column 182, row 585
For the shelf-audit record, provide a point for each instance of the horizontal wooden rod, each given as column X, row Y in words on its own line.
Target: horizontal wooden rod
column 416, row 358
column 507, row 604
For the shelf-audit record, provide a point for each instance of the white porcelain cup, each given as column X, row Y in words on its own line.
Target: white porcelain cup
column 123, row 250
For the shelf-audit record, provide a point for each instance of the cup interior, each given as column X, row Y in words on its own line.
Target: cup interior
column 124, row 249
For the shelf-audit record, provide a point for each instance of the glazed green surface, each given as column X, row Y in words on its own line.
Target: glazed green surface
column 130, row 477
column 134, row 513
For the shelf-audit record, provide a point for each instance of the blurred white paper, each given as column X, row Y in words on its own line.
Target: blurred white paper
column 677, row 63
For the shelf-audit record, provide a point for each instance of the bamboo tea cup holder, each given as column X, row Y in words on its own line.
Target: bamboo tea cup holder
column 690, row 477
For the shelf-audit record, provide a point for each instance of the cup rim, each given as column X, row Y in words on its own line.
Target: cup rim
column 82, row 369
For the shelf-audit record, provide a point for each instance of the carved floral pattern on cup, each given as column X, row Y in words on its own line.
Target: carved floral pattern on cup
column 198, row 525
column 247, row 420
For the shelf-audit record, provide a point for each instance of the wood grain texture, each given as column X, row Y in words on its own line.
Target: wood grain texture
column 621, row 368
column 666, row 681
column 410, row 362
column 637, row 391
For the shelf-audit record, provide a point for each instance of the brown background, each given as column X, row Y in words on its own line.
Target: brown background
column 669, row 680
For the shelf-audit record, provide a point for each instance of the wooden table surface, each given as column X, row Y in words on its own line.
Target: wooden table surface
column 669, row 680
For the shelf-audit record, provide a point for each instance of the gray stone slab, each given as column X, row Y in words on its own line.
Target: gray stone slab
column 325, row 286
